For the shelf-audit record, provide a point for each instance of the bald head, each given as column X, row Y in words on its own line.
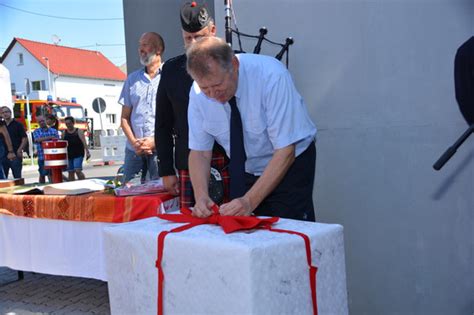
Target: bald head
column 208, row 51
column 155, row 40
column 214, row 67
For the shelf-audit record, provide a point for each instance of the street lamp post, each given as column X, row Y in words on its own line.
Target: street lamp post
column 28, row 118
column 49, row 75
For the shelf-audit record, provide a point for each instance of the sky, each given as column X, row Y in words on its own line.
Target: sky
column 88, row 24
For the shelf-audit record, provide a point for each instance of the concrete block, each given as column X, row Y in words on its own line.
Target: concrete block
column 210, row 272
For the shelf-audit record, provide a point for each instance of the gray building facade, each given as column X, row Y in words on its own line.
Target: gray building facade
column 377, row 77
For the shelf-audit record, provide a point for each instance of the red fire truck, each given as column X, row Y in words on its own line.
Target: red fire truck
column 61, row 109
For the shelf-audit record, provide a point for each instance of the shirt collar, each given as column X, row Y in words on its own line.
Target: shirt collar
column 159, row 69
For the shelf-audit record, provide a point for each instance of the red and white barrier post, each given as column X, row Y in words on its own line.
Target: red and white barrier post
column 55, row 158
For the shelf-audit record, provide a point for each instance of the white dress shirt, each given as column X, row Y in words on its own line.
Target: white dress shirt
column 273, row 113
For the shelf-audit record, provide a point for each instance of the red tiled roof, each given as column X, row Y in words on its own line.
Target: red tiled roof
column 70, row 61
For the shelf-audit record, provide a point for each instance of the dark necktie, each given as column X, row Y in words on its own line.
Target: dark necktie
column 237, row 152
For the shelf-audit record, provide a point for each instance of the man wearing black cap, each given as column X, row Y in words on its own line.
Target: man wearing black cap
column 171, row 124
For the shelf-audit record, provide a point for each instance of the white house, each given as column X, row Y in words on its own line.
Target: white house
column 65, row 72
column 5, row 95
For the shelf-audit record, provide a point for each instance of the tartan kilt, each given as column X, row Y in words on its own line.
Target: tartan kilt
column 186, row 196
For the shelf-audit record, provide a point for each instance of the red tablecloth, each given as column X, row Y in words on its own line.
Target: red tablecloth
column 99, row 207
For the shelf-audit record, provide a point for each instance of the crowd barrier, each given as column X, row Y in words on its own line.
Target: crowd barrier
column 113, row 148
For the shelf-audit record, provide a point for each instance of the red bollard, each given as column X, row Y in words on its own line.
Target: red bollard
column 55, row 158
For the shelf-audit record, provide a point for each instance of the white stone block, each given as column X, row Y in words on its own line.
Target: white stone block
column 210, row 272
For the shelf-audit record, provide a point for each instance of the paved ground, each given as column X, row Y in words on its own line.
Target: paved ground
column 46, row 294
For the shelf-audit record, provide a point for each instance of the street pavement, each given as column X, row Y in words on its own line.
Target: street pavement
column 46, row 294
column 92, row 168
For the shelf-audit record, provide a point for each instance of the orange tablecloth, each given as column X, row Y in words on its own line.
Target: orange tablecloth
column 98, row 207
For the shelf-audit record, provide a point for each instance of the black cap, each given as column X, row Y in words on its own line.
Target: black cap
column 194, row 17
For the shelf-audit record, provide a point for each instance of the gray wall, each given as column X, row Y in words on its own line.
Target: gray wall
column 378, row 80
column 161, row 16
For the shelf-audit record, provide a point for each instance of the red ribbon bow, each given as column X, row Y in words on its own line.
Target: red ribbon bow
column 229, row 224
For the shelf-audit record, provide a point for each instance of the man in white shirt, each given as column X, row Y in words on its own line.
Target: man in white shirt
column 279, row 154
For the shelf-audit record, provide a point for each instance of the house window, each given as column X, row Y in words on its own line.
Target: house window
column 38, row 85
column 110, row 118
column 20, row 59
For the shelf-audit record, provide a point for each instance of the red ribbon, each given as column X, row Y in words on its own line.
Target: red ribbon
column 229, row 224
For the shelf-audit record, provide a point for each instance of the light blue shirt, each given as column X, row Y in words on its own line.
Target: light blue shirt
column 139, row 93
column 273, row 113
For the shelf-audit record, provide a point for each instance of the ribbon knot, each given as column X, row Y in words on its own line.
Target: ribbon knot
column 214, row 219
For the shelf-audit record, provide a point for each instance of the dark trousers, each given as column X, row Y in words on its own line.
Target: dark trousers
column 15, row 165
column 293, row 197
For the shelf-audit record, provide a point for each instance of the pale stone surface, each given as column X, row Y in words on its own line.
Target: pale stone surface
column 210, row 272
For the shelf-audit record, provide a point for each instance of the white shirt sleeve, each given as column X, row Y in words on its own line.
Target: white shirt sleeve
column 124, row 98
column 286, row 113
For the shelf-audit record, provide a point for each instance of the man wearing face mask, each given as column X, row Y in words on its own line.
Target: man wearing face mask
column 138, row 111
column 171, row 129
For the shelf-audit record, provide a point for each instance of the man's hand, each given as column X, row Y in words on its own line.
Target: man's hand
column 202, row 208
column 171, row 184
column 237, row 207
column 147, row 145
column 19, row 154
column 11, row 156
column 47, row 138
column 137, row 147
